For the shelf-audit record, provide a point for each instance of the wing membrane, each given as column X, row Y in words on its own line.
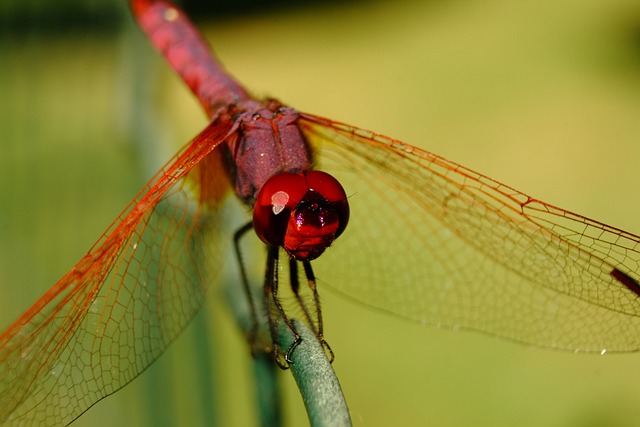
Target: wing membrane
column 119, row 308
column 439, row 244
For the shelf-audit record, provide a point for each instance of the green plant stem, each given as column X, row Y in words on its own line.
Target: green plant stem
column 316, row 379
column 267, row 390
column 311, row 369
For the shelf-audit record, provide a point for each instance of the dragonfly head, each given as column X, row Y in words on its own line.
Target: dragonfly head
column 303, row 212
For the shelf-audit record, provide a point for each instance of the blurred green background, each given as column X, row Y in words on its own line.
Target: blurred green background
column 541, row 95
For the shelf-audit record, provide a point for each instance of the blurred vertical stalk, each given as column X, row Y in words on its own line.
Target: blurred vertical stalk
column 267, row 394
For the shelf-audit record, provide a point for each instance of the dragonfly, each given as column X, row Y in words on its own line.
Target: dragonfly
column 427, row 240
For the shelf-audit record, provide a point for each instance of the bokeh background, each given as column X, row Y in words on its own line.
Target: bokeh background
column 541, row 95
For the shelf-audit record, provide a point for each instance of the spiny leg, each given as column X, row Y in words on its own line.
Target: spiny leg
column 253, row 328
column 295, row 287
column 271, row 294
column 311, row 280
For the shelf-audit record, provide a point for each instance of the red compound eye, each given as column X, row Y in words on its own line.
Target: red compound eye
column 304, row 212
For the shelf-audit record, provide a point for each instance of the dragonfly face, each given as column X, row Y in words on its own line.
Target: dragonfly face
column 303, row 212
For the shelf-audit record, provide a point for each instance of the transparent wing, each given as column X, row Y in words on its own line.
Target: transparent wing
column 434, row 242
column 119, row 308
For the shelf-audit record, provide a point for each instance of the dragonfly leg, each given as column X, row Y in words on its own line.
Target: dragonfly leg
column 295, row 287
column 311, row 280
column 253, row 328
column 271, row 296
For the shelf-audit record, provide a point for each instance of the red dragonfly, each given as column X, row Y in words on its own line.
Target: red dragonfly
column 464, row 245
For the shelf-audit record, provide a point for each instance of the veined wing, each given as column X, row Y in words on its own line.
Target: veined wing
column 439, row 244
column 119, row 308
